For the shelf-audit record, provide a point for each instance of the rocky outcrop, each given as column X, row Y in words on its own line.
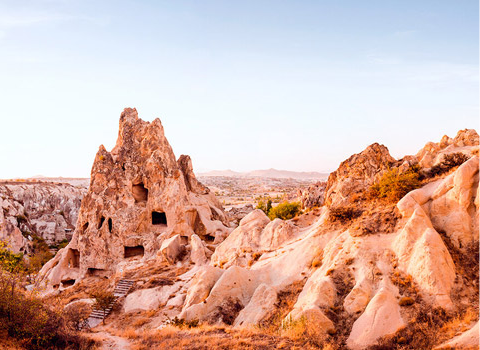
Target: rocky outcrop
column 366, row 273
column 356, row 174
column 235, row 214
column 139, row 196
column 313, row 196
column 47, row 210
column 144, row 207
column 466, row 141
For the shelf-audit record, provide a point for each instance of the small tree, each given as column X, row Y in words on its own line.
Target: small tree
column 103, row 301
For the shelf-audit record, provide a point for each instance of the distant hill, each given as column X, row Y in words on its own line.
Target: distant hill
column 268, row 173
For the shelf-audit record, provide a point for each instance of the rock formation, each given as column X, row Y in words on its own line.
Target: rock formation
column 466, row 141
column 356, row 173
column 313, row 196
column 47, row 210
column 364, row 275
column 356, row 286
column 141, row 202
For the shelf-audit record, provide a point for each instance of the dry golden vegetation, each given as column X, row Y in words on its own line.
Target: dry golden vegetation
column 214, row 337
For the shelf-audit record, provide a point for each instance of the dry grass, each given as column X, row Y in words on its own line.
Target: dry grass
column 285, row 301
column 343, row 321
column 211, row 337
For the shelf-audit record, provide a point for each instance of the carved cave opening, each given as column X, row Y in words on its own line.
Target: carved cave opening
column 93, row 272
column 100, row 224
column 68, row 283
column 209, row 238
column 74, row 258
column 133, row 251
column 85, row 226
column 159, row 218
column 110, row 225
column 139, row 192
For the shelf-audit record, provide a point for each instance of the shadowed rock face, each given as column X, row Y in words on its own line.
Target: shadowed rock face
column 139, row 196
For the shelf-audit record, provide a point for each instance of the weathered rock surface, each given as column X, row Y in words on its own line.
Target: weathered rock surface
column 139, row 196
column 354, row 270
column 466, row 141
column 381, row 317
column 261, row 303
column 47, row 210
column 235, row 214
column 335, row 271
column 313, row 196
column 356, row 173
column 468, row 340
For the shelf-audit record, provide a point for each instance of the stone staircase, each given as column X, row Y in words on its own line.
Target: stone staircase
column 121, row 289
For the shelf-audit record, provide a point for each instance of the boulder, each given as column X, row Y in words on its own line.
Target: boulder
column 172, row 248
column 381, row 317
column 259, row 306
column 202, row 284
column 198, row 250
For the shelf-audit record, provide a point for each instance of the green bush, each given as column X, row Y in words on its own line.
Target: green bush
column 285, row 211
column 393, row 185
column 265, row 207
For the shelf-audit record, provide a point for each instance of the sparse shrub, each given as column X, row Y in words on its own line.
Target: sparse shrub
column 76, row 316
column 27, row 318
column 227, row 311
column 265, row 207
column 343, row 214
column 256, row 255
column 182, row 323
column 406, row 301
column 103, row 300
column 450, row 161
column 318, row 259
column 393, row 184
column 285, row 211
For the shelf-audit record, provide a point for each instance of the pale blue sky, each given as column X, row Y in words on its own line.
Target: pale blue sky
column 242, row 85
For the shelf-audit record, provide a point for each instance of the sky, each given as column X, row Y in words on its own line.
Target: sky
column 241, row 85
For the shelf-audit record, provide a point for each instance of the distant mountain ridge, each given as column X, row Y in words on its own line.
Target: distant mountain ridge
column 268, row 173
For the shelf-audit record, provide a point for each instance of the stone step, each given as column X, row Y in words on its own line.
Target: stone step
column 97, row 316
column 121, row 289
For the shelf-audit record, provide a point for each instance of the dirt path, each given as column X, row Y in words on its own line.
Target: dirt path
column 113, row 342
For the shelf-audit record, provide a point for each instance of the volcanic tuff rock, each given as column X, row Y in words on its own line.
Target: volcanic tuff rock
column 356, row 173
column 348, row 285
column 313, row 196
column 48, row 210
column 363, row 274
column 139, row 196
column 466, row 141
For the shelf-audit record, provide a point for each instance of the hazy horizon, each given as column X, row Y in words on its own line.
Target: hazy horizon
column 245, row 85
